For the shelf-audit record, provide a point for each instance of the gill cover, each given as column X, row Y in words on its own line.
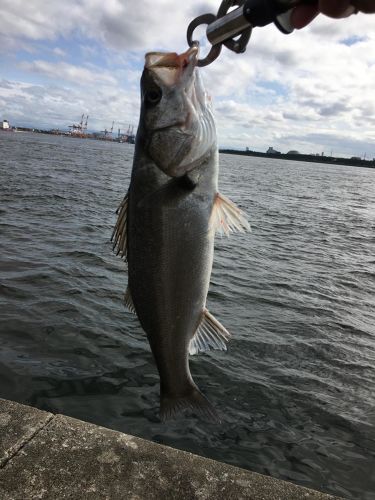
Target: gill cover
column 177, row 115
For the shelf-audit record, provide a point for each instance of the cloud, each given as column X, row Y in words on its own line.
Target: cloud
column 54, row 105
column 334, row 109
column 38, row 20
column 59, row 52
column 340, row 144
column 283, row 88
column 68, row 72
column 119, row 23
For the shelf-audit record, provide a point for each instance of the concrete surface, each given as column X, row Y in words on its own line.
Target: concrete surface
column 46, row 456
column 18, row 425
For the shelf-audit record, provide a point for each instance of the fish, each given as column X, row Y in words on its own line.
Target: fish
column 167, row 222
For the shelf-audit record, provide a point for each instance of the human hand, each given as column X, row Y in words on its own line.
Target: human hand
column 304, row 14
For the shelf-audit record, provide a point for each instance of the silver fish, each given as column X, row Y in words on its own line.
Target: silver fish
column 167, row 223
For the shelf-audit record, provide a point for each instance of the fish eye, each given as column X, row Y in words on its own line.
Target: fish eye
column 153, row 96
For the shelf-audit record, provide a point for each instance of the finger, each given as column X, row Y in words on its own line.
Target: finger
column 302, row 15
column 336, row 8
column 366, row 6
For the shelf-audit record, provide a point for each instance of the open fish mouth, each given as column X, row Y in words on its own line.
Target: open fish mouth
column 172, row 59
column 171, row 68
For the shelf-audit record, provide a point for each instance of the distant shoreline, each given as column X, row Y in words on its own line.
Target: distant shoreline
column 353, row 162
column 92, row 136
column 302, row 157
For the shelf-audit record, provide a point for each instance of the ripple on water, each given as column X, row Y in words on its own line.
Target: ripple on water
column 296, row 387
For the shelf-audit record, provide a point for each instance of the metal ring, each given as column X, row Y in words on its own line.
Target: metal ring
column 215, row 49
column 226, row 5
column 240, row 44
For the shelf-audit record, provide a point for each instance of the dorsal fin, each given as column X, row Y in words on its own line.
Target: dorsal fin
column 227, row 218
column 210, row 335
column 119, row 235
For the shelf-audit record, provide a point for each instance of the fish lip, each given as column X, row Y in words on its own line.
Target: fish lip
column 192, row 54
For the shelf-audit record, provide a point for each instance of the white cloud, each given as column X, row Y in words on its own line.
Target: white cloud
column 68, row 72
column 47, row 105
column 38, row 20
column 310, row 87
column 120, row 23
column 59, row 52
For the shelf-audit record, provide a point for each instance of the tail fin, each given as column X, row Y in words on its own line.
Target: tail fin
column 173, row 406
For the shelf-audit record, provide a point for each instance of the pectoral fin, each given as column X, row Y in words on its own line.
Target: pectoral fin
column 227, row 218
column 119, row 235
column 210, row 335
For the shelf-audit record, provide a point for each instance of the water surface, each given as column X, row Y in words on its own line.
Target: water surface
column 296, row 386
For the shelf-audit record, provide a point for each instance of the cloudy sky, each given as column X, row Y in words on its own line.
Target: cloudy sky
column 312, row 90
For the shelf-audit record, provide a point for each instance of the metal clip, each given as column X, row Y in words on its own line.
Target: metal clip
column 215, row 49
column 233, row 28
column 219, row 33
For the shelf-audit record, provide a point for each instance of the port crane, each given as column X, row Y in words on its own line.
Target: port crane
column 130, row 130
column 80, row 129
column 85, row 126
column 108, row 133
column 130, row 137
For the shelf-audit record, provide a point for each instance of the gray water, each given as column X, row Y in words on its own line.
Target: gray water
column 296, row 386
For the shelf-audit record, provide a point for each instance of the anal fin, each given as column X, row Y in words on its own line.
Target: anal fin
column 227, row 218
column 119, row 235
column 210, row 335
column 128, row 301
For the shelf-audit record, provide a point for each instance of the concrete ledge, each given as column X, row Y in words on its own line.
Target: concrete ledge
column 49, row 456
column 18, row 425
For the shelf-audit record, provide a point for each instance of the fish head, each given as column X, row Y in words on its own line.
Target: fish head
column 176, row 114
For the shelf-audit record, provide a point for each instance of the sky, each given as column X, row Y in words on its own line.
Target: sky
column 312, row 90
